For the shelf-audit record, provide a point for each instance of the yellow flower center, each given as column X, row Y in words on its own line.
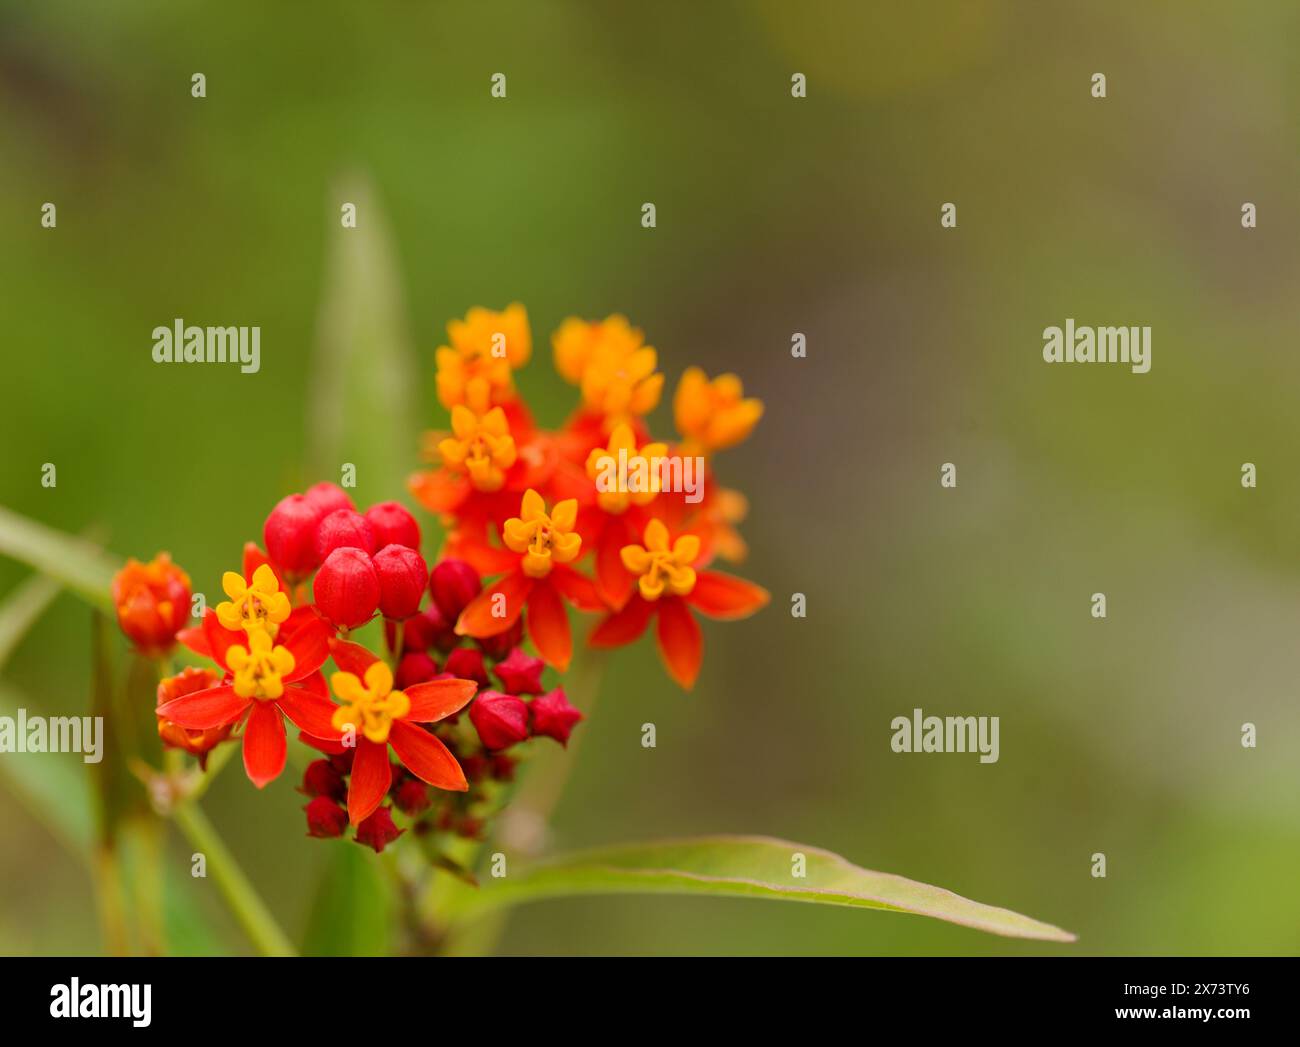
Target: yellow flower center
column 624, row 476
column 371, row 705
column 257, row 606
column 259, row 669
column 482, row 447
column 543, row 539
column 659, row 568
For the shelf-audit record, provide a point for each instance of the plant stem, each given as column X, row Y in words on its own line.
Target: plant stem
column 106, row 873
column 248, row 908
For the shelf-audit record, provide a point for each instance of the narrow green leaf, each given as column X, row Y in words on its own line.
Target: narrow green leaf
column 79, row 564
column 352, row 913
column 54, row 787
column 21, row 609
column 743, row 867
column 361, row 407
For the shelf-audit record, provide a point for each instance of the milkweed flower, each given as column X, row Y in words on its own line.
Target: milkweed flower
column 625, row 478
column 152, row 601
column 256, row 603
column 480, row 447
column 713, row 415
column 668, row 588
column 611, row 365
column 378, row 716
column 539, row 547
column 486, row 348
column 265, row 681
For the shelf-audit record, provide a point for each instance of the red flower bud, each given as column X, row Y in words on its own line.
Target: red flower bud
column 341, row 762
column 467, row 664
column 290, row 535
column 321, row 779
column 325, row 818
column 496, row 647
column 402, row 573
column 520, row 673
column 500, row 719
column 346, row 588
column 328, row 497
column 453, row 584
column 378, row 831
column 553, row 716
column 503, row 768
column 152, row 601
column 393, row 525
column 476, row 768
column 415, row 667
column 344, row 528
column 412, row 797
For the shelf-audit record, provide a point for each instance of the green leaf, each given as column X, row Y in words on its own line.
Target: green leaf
column 21, row 609
column 742, row 867
column 352, row 914
column 79, row 564
column 54, row 787
column 361, row 406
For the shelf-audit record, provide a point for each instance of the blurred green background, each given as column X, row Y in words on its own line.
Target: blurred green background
column 774, row 215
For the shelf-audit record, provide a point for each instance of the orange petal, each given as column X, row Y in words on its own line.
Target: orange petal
column 548, row 626
column 577, row 588
column 439, row 490
column 725, row 596
column 681, row 644
column 625, row 626
column 371, row 777
column 477, row 619
column 426, row 757
column 307, row 638
column 264, row 744
column 438, row 699
column 309, row 712
column 613, row 580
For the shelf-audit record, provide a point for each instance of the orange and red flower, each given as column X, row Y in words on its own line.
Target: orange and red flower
column 265, row 680
column 539, row 546
column 377, row 716
column 152, row 602
column 668, row 585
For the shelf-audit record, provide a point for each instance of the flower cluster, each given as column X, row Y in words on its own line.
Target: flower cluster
column 527, row 506
column 430, row 721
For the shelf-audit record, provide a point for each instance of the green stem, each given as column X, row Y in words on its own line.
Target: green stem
column 249, row 909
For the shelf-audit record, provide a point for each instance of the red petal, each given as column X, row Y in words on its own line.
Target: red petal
column 264, row 744
column 308, row 640
column 477, row 620
column 624, row 627
column 438, row 699
column 426, row 757
column 614, row 581
column 204, row 710
column 577, row 588
column 681, row 643
column 352, row 657
column 371, row 778
column 548, row 625
column 310, row 711
column 196, row 640
column 726, row 596
column 220, row 639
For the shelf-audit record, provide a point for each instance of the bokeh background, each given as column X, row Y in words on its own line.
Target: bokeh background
column 774, row 216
